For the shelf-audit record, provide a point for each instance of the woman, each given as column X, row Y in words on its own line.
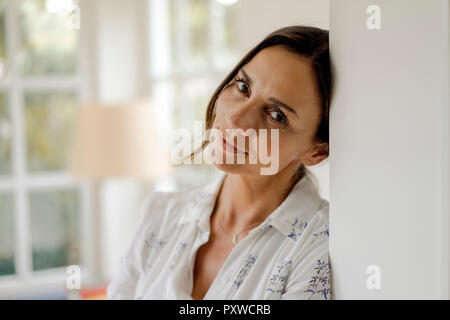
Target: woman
column 247, row 235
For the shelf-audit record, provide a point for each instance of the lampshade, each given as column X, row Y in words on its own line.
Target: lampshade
column 117, row 141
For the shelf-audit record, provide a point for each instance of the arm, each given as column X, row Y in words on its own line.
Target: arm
column 311, row 277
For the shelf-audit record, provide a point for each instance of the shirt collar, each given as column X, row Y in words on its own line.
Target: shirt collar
column 299, row 206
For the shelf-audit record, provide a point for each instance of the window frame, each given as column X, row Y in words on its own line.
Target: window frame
column 20, row 182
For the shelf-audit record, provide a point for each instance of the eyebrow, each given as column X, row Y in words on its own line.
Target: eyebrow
column 271, row 99
column 246, row 76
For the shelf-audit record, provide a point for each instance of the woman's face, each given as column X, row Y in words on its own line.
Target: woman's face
column 275, row 90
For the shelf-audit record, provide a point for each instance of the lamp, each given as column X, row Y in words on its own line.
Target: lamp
column 117, row 141
column 114, row 141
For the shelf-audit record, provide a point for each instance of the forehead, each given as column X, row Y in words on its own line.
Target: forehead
column 284, row 75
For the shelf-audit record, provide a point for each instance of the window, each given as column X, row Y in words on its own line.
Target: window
column 192, row 48
column 40, row 204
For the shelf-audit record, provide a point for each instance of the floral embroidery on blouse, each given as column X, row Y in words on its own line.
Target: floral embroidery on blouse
column 257, row 270
column 323, row 232
column 320, row 282
column 249, row 262
column 266, row 224
column 278, row 280
column 153, row 242
column 297, row 229
column 179, row 249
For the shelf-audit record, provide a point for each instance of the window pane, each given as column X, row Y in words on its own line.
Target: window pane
column 198, row 14
column 6, row 235
column 194, row 98
column 50, row 120
column 2, row 40
column 173, row 25
column 190, row 33
column 224, row 35
column 163, row 94
column 5, row 136
column 160, row 37
column 54, row 228
column 230, row 28
column 49, row 42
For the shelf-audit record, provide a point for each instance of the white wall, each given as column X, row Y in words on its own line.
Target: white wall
column 389, row 164
column 258, row 18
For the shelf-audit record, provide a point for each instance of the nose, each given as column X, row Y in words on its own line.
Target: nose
column 243, row 116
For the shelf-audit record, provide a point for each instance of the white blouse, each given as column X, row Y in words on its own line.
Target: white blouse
column 285, row 257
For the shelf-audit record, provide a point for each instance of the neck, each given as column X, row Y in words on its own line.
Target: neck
column 248, row 199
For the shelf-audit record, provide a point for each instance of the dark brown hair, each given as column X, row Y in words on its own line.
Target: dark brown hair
column 308, row 42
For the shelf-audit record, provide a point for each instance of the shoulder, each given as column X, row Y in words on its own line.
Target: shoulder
column 169, row 209
column 315, row 233
column 159, row 213
column 312, row 253
column 317, row 214
column 319, row 224
column 321, row 217
column 176, row 206
column 159, row 206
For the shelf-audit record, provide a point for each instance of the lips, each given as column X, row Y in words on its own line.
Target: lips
column 230, row 146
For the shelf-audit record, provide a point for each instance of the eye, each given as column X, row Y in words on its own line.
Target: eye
column 278, row 117
column 242, row 86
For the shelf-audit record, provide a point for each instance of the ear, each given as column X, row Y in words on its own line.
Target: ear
column 318, row 153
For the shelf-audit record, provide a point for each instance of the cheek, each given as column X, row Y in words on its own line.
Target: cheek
column 289, row 148
column 225, row 99
column 219, row 110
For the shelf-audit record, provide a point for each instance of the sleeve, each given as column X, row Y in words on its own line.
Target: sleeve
column 124, row 283
column 311, row 278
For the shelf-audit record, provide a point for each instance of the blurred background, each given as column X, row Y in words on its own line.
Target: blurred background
column 57, row 56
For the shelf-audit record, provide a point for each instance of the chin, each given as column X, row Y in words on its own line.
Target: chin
column 238, row 168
